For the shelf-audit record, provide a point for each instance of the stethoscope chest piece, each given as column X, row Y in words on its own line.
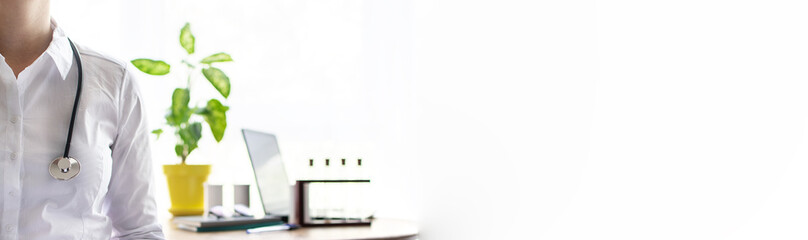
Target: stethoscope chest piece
column 64, row 168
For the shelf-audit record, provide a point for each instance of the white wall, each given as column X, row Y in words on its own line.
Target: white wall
column 612, row 119
column 532, row 119
column 505, row 106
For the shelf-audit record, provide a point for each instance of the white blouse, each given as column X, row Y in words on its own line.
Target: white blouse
column 112, row 196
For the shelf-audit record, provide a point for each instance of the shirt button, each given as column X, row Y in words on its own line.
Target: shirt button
column 13, row 120
column 12, row 193
column 9, row 227
column 13, row 156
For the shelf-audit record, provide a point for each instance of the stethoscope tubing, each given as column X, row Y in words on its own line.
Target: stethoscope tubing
column 75, row 102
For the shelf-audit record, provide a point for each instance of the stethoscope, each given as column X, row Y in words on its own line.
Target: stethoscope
column 66, row 167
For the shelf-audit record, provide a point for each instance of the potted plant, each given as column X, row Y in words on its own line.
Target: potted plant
column 185, row 181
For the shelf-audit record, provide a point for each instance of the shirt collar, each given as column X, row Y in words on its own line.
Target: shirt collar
column 59, row 50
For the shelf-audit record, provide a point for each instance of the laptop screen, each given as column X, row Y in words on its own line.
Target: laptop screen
column 270, row 173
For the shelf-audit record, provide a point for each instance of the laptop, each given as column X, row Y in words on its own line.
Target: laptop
column 270, row 173
column 270, row 176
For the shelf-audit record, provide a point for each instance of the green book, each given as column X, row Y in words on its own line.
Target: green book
column 227, row 228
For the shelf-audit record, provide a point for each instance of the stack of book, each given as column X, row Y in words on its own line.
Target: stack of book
column 212, row 223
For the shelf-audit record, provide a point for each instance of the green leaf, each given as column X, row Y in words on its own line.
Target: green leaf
column 153, row 67
column 180, row 99
column 219, row 80
column 157, row 132
column 179, row 149
column 187, row 38
column 179, row 112
column 219, row 57
column 190, row 135
column 215, row 116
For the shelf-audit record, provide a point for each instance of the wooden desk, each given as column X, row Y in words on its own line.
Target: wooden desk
column 379, row 229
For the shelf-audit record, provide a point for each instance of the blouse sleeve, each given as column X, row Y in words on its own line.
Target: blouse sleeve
column 130, row 202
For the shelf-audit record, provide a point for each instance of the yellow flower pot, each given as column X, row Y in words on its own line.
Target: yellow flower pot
column 185, row 186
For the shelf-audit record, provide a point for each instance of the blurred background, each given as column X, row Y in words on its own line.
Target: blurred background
column 504, row 119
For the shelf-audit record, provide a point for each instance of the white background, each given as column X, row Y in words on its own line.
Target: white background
column 529, row 119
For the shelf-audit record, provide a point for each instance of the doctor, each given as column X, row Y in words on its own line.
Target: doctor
column 105, row 190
